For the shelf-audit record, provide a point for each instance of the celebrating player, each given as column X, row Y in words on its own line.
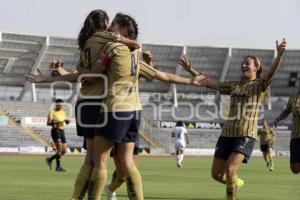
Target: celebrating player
column 239, row 132
column 91, row 39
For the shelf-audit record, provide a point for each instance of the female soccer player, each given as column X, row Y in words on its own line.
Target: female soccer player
column 239, row 133
column 91, row 39
column 293, row 106
column 182, row 138
column 267, row 138
column 57, row 119
column 122, row 110
column 149, row 73
column 145, row 70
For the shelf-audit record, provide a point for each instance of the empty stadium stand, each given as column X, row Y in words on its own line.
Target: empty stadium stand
column 21, row 53
column 11, row 136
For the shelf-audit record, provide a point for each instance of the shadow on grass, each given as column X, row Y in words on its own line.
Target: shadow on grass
column 172, row 198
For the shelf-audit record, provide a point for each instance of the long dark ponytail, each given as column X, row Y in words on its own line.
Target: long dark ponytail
column 93, row 22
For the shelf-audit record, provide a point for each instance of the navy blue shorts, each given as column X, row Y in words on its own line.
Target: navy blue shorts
column 136, row 150
column 265, row 147
column 86, row 112
column 295, row 150
column 227, row 145
column 58, row 135
column 120, row 126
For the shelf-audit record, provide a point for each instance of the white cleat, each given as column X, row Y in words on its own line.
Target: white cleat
column 179, row 165
column 110, row 195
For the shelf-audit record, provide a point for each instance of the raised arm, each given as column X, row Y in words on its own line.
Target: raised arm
column 184, row 62
column 199, row 76
column 148, row 68
column 280, row 48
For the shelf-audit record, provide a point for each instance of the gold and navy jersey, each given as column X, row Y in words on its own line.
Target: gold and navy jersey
column 123, row 79
column 58, row 117
column 293, row 106
column 266, row 136
column 88, row 55
column 146, row 71
column 245, row 103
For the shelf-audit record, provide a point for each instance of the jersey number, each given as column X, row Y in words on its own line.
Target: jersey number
column 133, row 68
column 87, row 55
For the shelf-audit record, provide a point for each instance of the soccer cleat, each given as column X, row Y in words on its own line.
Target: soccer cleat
column 60, row 169
column 179, row 165
column 240, row 183
column 109, row 195
column 48, row 162
column 231, row 193
column 271, row 167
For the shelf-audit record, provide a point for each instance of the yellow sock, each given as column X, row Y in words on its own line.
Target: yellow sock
column 231, row 187
column 270, row 160
column 136, row 184
column 97, row 183
column 116, row 181
column 270, row 156
column 82, row 182
column 266, row 157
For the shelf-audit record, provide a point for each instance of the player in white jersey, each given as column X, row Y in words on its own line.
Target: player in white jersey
column 181, row 139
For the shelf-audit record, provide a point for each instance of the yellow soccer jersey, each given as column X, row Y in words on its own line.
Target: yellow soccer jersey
column 266, row 136
column 293, row 106
column 123, row 79
column 245, row 103
column 58, row 117
column 88, row 55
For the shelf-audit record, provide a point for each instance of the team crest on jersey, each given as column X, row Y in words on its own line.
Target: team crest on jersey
column 246, row 140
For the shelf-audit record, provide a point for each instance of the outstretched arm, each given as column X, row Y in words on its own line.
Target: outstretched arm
column 281, row 117
column 172, row 78
column 41, row 78
column 164, row 76
column 98, row 67
column 285, row 113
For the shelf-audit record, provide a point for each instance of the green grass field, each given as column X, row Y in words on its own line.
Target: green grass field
column 28, row 178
